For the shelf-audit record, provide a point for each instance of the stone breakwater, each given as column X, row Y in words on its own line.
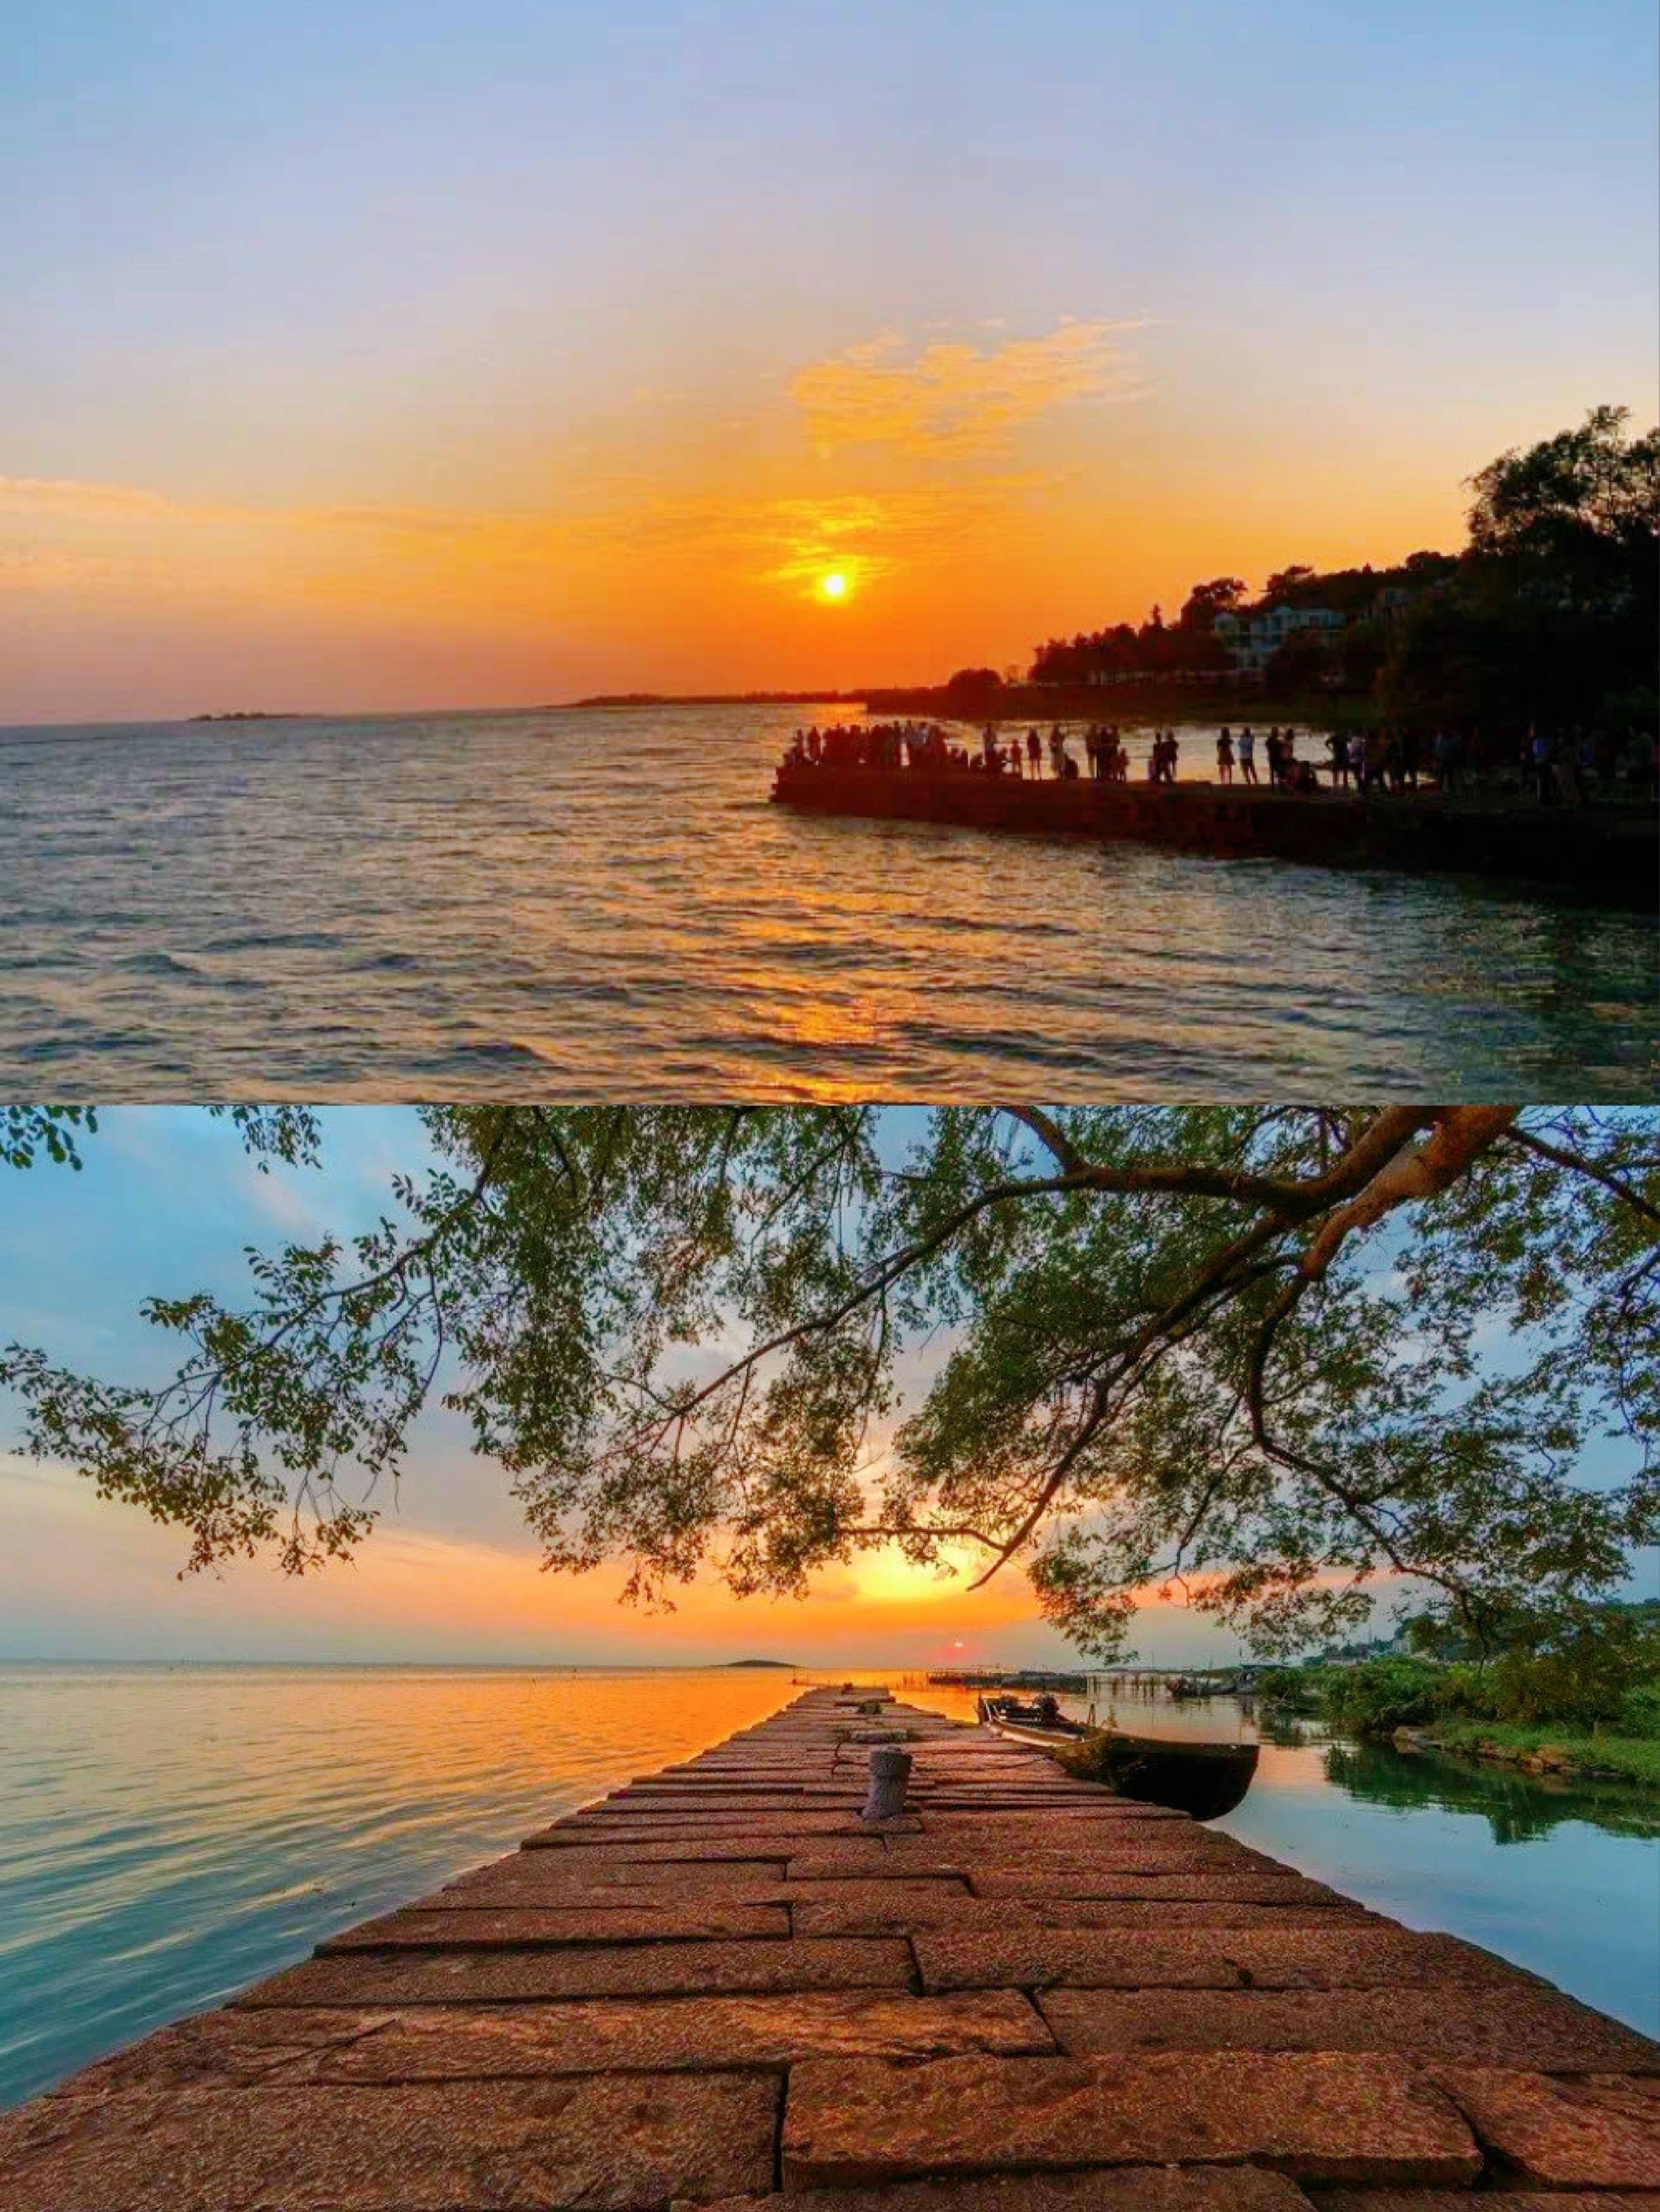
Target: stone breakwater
column 1608, row 854
column 720, row 1985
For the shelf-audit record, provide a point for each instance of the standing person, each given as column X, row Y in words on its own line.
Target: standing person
column 1360, row 755
column 1339, row 743
column 1272, row 750
column 1057, row 747
column 1035, row 751
column 1172, row 755
column 1248, row 754
column 1225, row 755
column 1542, row 754
column 1585, row 762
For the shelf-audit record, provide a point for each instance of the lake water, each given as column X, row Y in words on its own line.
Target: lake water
column 169, row 1834
column 603, row 904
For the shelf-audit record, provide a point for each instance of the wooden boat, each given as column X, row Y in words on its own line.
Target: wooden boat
column 1204, row 1779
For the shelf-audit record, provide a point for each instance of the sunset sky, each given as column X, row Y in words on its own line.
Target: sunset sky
column 369, row 355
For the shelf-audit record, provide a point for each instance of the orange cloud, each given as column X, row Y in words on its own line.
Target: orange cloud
column 955, row 399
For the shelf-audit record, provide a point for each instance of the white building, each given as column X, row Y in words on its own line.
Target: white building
column 1253, row 639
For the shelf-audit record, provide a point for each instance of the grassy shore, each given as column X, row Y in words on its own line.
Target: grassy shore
column 1553, row 1750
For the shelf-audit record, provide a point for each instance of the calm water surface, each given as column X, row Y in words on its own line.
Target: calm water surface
column 1562, row 1878
column 603, row 904
column 168, row 1835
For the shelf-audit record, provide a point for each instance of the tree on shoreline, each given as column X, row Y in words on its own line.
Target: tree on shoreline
column 1271, row 1354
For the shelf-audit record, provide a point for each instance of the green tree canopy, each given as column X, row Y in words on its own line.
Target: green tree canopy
column 1273, row 1353
column 1554, row 614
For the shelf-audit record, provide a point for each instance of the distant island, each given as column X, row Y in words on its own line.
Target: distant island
column 246, row 714
column 787, row 1664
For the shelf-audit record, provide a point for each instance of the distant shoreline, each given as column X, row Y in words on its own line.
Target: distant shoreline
column 1011, row 703
column 711, row 699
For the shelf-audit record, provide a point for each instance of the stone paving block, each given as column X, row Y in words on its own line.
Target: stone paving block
column 660, row 1894
column 616, row 2143
column 1596, row 2131
column 698, row 1804
column 621, row 1970
column 863, row 1856
column 941, row 1889
column 546, row 1881
column 1036, row 1958
column 1092, row 1844
column 872, row 1908
column 1317, row 2116
column 1353, row 1955
column 1103, row 1873
column 663, row 2035
column 224, row 2047
column 1168, row 1912
column 1489, row 2200
column 670, row 1826
column 1096, row 1808
column 529, row 1927
column 1196, row 1887
column 583, row 1851
column 1528, row 2025
column 1103, row 2189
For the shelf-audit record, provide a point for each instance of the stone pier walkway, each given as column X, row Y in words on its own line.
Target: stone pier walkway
column 720, row 1985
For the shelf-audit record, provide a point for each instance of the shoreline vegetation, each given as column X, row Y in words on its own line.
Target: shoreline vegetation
column 1544, row 1750
column 1585, row 1703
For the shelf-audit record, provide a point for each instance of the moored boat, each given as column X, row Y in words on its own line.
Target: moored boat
column 1204, row 1779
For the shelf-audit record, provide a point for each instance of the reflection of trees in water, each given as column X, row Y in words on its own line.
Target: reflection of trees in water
column 1291, row 1731
column 1516, row 1807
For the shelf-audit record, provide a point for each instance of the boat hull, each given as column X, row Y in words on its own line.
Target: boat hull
column 1203, row 1779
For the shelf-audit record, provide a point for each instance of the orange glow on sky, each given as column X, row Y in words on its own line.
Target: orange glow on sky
column 951, row 504
column 411, row 1594
column 568, row 349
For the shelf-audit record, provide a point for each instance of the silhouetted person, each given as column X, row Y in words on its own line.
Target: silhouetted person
column 1544, row 781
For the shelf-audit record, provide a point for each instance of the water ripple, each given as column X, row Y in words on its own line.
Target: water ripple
column 559, row 904
column 169, row 1834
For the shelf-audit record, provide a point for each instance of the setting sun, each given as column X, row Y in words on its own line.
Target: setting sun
column 833, row 586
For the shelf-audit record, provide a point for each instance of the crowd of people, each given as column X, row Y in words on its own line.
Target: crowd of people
column 1552, row 768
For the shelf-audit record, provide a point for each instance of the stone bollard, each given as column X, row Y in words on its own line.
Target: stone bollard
column 889, row 1770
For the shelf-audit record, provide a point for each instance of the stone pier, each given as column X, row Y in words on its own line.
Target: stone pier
column 720, row 1985
column 1605, row 853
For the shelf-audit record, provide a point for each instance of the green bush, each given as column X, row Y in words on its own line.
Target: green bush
column 1379, row 1695
column 1295, row 1686
column 1582, row 1679
column 1639, row 1711
column 1465, row 1693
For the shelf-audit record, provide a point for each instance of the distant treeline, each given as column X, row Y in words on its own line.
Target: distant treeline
column 1550, row 613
